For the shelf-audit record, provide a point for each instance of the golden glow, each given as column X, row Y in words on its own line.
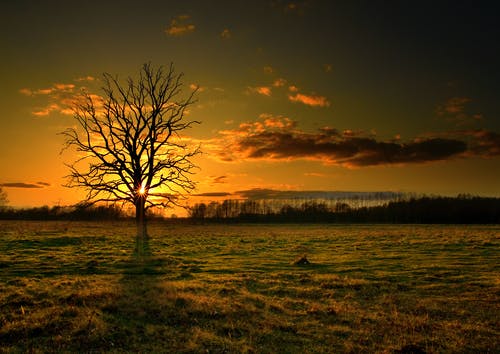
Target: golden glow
column 266, row 122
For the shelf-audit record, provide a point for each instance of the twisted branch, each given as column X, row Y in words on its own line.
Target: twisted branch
column 130, row 138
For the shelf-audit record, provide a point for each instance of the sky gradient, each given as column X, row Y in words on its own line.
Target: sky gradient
column 293, row 95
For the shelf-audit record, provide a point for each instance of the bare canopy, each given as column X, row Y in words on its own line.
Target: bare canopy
column 129, row 142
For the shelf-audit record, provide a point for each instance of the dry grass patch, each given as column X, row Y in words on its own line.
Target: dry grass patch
column 77, row 287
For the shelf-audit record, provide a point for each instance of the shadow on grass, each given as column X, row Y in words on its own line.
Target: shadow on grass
column 87, row 305
column 137, row 319
column 48, row 242
column 156, row 310
column 111, row 294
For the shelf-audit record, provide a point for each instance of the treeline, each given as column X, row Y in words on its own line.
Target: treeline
column 78, row 212
column 463, row 209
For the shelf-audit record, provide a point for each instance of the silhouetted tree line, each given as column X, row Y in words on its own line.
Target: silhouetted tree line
column 78, row 212
column 463, row 209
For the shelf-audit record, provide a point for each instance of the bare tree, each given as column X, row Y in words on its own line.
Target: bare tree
column 129, row 142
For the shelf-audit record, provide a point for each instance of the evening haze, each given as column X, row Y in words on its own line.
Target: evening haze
column 292, row 96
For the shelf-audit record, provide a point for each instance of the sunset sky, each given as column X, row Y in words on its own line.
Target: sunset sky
column 294, row 95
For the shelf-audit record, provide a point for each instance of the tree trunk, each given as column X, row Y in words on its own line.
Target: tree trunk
column 140, row 217
column 141, row 237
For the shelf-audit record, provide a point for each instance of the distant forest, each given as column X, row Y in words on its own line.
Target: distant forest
column 463, row 209
column 77, row 212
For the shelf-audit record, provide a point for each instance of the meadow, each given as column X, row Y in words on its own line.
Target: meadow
column 80, row 287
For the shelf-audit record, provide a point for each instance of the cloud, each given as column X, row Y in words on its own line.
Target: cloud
column 56, row 88
column 261, row 90
column 225, row 34
column 25, row 185
column 268, row 69
column 454, row 105
column 271, row 121
column 45, row 111
column 264, row 193
column 348, row 151
column 64, row 87
column 455, row 110
column 26, row 92
column 293, row 95
column 315, row 174
column 277, row 138
column 59, row 98
column 266, row 121
column 87, row 78
column 485, row 143
column 260, row 193
column 220, row 179
column 297, row 7
column 279, row 82
column 180, row 26
column 302, row 195
column 310, row 100
column 64, row 108
column 480, row 142
column 196, row 87
column 213, row 194
column 292, row 6
column 45, row 184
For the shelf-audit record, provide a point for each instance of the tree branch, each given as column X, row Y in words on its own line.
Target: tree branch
column 130, row 138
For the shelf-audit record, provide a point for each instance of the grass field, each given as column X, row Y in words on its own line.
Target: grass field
column 79, row 287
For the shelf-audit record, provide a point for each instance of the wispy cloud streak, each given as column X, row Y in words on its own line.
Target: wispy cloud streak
column 455, row 110
column 180, row 25
column 293, row 94
column 61, row 97
column 310, row 100
column 25, row 185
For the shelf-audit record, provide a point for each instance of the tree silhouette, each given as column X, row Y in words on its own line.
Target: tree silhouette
column 130, row 144
column 3, row 198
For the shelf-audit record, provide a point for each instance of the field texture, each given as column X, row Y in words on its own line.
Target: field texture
column 80, row 287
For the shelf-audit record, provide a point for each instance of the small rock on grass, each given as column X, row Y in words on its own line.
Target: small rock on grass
column 302, row 260
column 410, row 349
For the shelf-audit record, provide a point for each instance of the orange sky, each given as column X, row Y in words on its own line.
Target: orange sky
column 294, row 95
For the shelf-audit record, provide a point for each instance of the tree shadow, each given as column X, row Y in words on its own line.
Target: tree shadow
column 138, row 311
column 142, row 251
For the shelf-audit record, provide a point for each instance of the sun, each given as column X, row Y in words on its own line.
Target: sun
column 142, row 191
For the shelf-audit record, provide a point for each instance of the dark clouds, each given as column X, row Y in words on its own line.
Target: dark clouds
column 266, row 194
column 213, row 194
column 483, row 143
column 355, row 151
column 220, row 179
column 268, row 140
column 263, row 193
column 25, row 185
column 455, row 110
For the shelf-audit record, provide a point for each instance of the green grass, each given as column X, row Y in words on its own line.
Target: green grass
column 78, row 287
